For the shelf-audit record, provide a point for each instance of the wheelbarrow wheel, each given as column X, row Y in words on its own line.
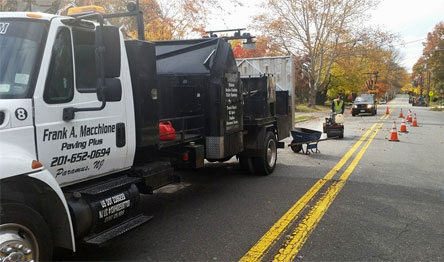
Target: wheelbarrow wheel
column 296, row 148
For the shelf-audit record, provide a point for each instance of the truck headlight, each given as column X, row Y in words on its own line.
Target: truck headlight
column 369, row 106
column 355, row 106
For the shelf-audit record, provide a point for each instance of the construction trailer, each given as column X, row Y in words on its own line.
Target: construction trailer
column 281, row 67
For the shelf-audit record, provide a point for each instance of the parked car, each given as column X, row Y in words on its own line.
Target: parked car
column 364, row 104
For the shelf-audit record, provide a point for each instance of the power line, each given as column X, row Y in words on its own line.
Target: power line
column 410, row 42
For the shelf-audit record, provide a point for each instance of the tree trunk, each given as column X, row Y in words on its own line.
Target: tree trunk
column 312, row 95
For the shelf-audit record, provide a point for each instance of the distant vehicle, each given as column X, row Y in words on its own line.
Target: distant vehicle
column 382, row 102
column 364, row 104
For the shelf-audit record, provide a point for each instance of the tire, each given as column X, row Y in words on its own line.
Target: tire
column 353, row 114
column 23, row 225
column 246, row 164
column 297, row 148
column 265, row 164
column 341, row 135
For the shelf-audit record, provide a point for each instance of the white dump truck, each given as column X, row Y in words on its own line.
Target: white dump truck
column 80, row 114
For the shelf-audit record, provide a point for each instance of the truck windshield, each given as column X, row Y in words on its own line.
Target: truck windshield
column 20, row 54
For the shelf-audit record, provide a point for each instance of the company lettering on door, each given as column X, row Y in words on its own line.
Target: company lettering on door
column 85, row 138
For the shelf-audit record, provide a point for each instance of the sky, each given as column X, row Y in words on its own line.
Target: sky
column 411, row 20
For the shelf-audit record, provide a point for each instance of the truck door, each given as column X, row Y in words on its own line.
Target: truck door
column 94, row 142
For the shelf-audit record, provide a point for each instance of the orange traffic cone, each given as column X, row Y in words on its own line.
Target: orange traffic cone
column 394, row 133
column 403, row 127
column 387, row 111
column 415, row 122
column 401, row 115
column 409, row 116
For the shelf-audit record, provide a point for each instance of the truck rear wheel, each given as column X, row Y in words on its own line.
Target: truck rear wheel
column 24, row 235
column 265, row 164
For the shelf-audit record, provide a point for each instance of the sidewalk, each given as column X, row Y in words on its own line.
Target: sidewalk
column 307, row 116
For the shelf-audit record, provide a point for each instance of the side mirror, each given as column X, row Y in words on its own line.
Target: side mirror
column 112, row 92
column 108, row 63
column 107, row 56
column 110, row 47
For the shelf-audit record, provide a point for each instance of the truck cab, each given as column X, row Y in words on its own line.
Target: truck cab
column 48, row 66
column 48, row 71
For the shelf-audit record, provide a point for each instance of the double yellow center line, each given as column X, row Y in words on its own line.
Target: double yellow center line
column 299, row 236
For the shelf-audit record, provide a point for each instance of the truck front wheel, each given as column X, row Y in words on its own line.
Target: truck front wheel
column 24, row 235
column 265, row 164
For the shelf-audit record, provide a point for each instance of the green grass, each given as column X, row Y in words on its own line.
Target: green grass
column 300, row 118
column 437, row 109
column 437, row 103
column 305, row 109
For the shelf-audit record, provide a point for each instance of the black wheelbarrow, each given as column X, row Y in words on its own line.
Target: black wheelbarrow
column 308, row 137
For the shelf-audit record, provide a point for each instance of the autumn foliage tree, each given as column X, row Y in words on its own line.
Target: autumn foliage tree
column 163, row 19
column 264, row 47
column 432, row 61
column 315, row 29
column 356, row 65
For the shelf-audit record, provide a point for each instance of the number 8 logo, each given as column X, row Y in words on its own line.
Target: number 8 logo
column 21, row 114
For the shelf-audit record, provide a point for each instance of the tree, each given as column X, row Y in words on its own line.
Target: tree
column 163, row 19
column 264, row 47
column 301, row 81
column 432, row 60
column 315, row 29
column 356, row 65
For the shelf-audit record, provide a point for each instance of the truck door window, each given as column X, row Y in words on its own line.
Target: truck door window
column 59, row 87
column 84, row 54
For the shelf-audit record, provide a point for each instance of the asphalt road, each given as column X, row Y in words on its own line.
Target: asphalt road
column 365, row 199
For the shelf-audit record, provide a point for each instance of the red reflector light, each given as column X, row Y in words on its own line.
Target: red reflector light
column 185, row 157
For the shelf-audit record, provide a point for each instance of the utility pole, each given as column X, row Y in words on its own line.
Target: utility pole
column 427, row 71
column 428, row 86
